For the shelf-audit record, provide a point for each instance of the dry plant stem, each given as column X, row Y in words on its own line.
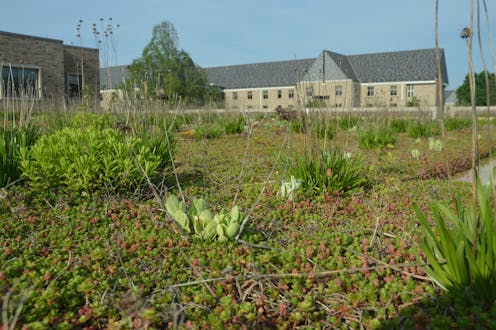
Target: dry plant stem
column 245, row 220
column 474, row 124
column 243, row 164
column 352, row 270
column 489, row 129
column 440, row 107
column 486, row 80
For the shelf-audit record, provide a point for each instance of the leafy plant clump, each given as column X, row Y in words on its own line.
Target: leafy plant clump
column 418, row 129
column 203, row 223
column 88, row 160
column 376, row 137
column 462, row 258
column 329, row 172
column 210, row 131
column 11, row 142
column 235, row 125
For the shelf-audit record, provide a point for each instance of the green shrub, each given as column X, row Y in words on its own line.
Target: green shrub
column 210, row 131
column 462, row 256
column 375, row 137
column 324, row 129
column 90, row 120
column 328, row 171
column 233, row 125
column 11, row 142
column 453, row 124
column 346, row 123
column 417, row 129
column 399, row 125
column 88, row 160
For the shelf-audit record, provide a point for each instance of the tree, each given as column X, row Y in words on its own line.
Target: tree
column 463, row 92
column 165, row 72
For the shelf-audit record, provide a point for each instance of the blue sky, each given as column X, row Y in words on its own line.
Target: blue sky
column 225, row 32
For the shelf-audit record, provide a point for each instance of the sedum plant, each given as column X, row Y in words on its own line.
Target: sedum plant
column 289, row 189
column 202, row 223
column 461, row 258
column 435, row 144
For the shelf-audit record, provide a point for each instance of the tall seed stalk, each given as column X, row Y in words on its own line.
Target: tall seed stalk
column 469, row 36
column 440, row 95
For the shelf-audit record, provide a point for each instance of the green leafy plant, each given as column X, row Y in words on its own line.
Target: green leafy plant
column 399, row 125
column 203, row 223
column 452, row 124
column 90, row 120
column 289, row 189
column 88, row 160
column 210, row 131
column 328, row 171
column 234, row 125
column 435, row 144
column 11, row 142
column 462, row 256
column 418, row 129
column 375, row 137
column 346, row 123
column 416, row 154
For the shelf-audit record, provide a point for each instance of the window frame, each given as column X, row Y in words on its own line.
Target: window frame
column 339, row 91
column 410, row 91
column 37, row 94
column 265, row 94
column 393, row 91
column 80, row 85
column 291, row 93
column 279, row 94
column 235, row 96
column 250, row 95
column 370, row 91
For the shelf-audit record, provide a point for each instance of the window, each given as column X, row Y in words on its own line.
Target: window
column 74, row 85
column 409, row 91
column 20, row 82
column 339, row 90
column 250, row 95
column 291, row 94
column 309, row 91
column 235, row 95
column 265, row 107
column 394, row 105
column 279, row 94
column 265, row 94
column 370, row 91
column 394, row 91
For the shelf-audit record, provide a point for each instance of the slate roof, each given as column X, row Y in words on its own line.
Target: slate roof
column 409, row 65
column 450, row 97
column 112, row 76
column 269, row 74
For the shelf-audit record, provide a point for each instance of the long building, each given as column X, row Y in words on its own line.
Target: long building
column 389, row 79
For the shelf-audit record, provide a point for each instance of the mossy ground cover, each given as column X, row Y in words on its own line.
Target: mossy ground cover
column 331, row 261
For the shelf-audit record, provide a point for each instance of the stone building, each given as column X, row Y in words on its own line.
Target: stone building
column 390, row 79
column 35, row 68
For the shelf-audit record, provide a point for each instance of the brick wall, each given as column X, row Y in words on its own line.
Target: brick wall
column 54, row 60
column 46, row 54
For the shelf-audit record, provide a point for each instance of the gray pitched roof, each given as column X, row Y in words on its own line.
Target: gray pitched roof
column 269, row 74
column 111, row 77
column 331, row 66
column 410, row 65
